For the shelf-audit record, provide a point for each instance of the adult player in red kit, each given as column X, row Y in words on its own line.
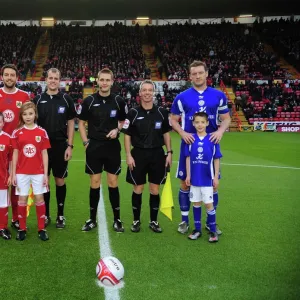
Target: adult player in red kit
column 11, row 100
column 30, row 166
column 5, row 153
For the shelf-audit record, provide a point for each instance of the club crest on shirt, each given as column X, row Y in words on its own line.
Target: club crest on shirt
column 38, row 138
column 201, row 102
column 2, row 147
column 157, row 125
column 61, row 109
column 200, row 149
column 18, row 104
column 113, row 113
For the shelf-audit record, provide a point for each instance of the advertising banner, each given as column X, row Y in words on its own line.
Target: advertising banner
column 264, row 126
column 288, row 128
column 246, row 128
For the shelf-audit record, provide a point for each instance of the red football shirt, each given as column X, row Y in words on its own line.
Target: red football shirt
column 5, row 152
column 10, row 104
column 30, row 142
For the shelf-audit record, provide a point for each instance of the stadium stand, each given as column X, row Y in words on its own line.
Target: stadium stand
column 17, row 46
column 81, row 52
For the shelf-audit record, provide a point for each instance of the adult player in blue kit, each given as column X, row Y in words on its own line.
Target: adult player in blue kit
column 198, row 98
column 202, row 175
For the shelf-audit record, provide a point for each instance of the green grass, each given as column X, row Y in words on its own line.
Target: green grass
column 257, row 257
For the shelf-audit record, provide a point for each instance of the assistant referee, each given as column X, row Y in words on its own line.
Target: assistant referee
column 56, row 113
column 146, row 128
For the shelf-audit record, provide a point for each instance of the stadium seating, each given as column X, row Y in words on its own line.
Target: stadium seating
column 18, row 44
column 81, row 52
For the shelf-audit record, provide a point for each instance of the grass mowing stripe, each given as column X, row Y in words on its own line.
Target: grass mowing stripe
column 104, row 245
column 230, row 164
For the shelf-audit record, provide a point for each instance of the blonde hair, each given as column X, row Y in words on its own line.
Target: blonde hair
column 24, row 107
column 53, row 70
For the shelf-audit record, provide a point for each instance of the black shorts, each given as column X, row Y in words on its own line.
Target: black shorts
column 103, row 155
column 147, row 161
column 57, row 162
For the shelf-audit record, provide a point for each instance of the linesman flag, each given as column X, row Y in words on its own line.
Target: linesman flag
column 166, row 202
column 30, row 201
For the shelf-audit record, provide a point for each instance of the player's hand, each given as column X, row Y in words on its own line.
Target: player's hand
column 130, row 162
column 168, row 160
column 187, row 137
column 14, row 180
column 45, row 180
column 216, row 136
column 188, row 181
column 68, row 154
column 9, row 181
column 113, row 134
column 216, row 183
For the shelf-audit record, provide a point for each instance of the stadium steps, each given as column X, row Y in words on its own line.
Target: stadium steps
column 40, row 56
column 283, row 63
column 152, row 62
column 235, row 119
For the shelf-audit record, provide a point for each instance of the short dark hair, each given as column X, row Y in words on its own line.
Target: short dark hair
column 9, row 66
column 1, row 115
column 200, row 114
column 198, row 63
column 106, row 71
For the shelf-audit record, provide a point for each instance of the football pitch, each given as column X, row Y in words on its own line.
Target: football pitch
column 257, row 257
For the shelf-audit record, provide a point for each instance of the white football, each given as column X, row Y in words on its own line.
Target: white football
column 109, row 271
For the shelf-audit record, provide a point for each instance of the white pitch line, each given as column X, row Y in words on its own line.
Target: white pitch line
column 104, row 245
column 229, row 164
column 261, row 166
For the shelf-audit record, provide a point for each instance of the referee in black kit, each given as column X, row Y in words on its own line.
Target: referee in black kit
column 147, row 128
column 56, row 113
column 105, row 114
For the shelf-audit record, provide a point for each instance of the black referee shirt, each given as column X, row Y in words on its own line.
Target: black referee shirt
column 54, row 111
column 147, row 127
column 102, row 114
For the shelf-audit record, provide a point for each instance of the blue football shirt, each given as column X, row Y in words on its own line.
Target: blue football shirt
column 211, row 101
column 202, row 153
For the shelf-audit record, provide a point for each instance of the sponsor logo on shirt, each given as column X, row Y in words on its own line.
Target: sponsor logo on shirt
column 157, row 125
column 61, row 109
column 18, row 104
column 126, row 124
column 29, row 150
column 9, row 115
column 96, row 104
column 2, row 147
column 38, row 138
column 43, row 102
column 140, row 118
column 113, row 113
